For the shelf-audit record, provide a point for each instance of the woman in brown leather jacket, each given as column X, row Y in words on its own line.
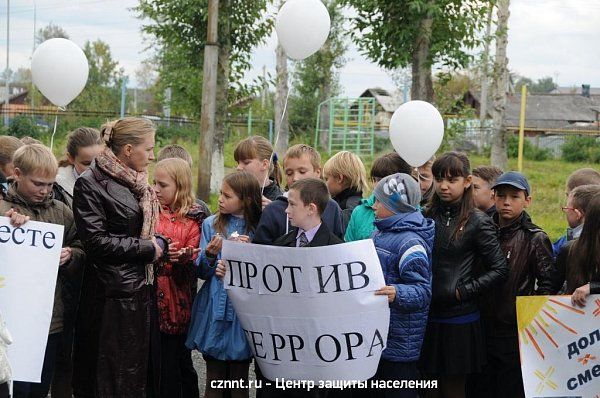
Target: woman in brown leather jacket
column 115, row 213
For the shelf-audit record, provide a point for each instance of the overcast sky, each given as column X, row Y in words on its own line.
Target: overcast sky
column 554, row 38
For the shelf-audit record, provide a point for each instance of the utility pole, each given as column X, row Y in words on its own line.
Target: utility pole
column 31, row 93
column 265, row 92
column 209, row 102
column 124, row 95
column 6, row 76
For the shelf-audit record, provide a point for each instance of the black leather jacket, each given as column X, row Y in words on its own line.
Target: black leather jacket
column 109, row 220
column 528, row 253
column 456, row 263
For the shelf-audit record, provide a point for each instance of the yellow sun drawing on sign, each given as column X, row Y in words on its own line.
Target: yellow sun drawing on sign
column 535, row 314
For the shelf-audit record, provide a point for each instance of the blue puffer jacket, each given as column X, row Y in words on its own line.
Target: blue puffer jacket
column 404, row 243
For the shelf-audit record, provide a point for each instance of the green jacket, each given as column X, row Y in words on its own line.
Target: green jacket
column 54, row 212
column 361, row 223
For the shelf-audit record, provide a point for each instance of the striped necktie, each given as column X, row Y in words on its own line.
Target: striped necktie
column 302, row 240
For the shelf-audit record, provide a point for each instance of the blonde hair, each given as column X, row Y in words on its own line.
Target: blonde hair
column 27, row 140
column 175, row 151
column 180, row 172
column 298, row 150
column 349, row 166
column 257, row 147
column 130, row 130
column 35, row 157
column 8, row 146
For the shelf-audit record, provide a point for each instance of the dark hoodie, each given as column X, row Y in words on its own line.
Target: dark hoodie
column 404, row 243
column 348, row 199
column 274, row 222
column 272, row 191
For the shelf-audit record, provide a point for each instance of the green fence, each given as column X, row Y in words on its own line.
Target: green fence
column 346, row 124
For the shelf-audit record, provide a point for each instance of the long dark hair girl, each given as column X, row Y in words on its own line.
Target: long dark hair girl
column 247, row 189
column 584, row 255
column 452, row 165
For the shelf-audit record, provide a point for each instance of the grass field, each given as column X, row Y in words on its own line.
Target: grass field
column 547, row 179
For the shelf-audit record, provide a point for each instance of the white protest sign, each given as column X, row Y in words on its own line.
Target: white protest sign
column 310, row 313
column 29, row 258
column 560, row 346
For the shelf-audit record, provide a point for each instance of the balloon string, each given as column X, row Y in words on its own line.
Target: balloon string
column 276, row 139
column 60, row 108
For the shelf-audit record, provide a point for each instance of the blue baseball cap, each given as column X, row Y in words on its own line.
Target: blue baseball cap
column 513, row 179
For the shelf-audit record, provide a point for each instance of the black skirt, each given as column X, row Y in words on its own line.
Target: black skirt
column 453, row 349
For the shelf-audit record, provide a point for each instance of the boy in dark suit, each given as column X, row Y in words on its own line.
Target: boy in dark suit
column 307, row 200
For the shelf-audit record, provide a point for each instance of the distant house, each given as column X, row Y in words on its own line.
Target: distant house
column 549, row 118
column 17, row 102
column 386, row 105
column 17, row 97
column 548, row 113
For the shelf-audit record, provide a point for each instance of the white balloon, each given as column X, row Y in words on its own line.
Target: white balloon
column 416, row 131
column 59, row 69
column 302, row 27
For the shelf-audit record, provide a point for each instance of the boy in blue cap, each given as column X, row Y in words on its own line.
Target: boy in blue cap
column 530, row 262
column 404, row 242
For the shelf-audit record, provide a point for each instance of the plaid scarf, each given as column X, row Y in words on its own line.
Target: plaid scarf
column 137, row 183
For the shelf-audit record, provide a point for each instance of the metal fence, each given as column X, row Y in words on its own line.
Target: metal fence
column 44, row 117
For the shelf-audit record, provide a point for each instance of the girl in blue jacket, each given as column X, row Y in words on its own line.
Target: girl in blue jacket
column 215, row 330
column 404, row 242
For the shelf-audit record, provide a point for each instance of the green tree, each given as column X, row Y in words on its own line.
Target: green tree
column 103, row 88
column 179, row 29
column 543, row 86
column 50, row 31
column 450, row 90
column 22, row 75
column 419, row 33
column 21, row 126
column 316, row 78
column 521, row 81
